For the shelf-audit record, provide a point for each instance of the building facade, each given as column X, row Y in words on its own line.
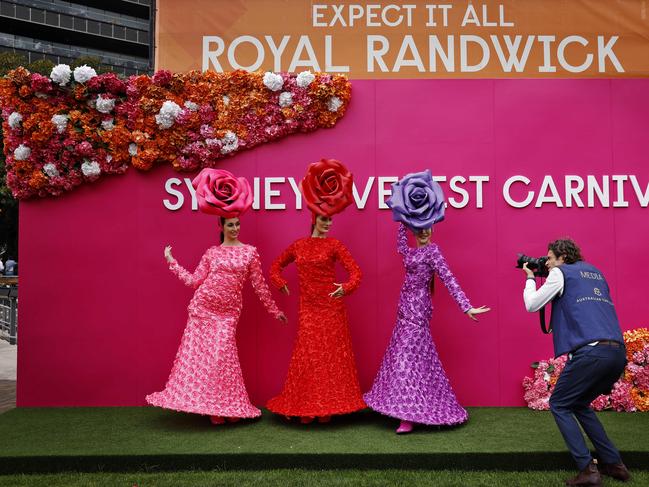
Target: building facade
column 118, row 32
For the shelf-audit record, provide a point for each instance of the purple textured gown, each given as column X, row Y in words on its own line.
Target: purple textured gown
column 411, row 384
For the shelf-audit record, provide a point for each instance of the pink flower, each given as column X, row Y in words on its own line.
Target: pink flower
column 642, row 378
column 41, row 83
column 162, row 77
column 220, row 193
column 84, row 149
column 601, row 402
column 621, row 399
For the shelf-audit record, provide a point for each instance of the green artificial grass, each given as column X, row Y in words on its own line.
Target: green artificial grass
column 149, row 439
column 309, row 478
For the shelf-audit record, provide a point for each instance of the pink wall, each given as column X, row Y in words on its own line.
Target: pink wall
column 101, row 316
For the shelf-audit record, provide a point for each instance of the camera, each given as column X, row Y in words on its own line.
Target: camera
column 535, row 264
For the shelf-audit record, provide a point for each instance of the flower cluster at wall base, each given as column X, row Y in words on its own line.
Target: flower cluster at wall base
column 76, row 126
column 630, row 393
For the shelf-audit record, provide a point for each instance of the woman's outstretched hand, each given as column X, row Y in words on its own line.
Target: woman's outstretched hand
column 476, row 311
column 168, row 255
column 339, row 292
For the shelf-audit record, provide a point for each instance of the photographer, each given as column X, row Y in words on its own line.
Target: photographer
column 585, row 326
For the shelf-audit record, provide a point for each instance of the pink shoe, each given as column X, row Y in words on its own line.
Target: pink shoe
column 324, row 419
column 404, row 427
column 306, row 419
column 217, row 420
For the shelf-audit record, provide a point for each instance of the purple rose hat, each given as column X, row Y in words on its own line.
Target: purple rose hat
column 417, row 201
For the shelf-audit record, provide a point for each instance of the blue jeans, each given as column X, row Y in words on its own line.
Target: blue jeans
column 591, row 371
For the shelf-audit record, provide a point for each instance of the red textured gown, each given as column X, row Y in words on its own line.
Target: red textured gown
column 322, row 378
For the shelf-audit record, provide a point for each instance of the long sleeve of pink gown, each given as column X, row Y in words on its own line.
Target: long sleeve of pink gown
column 260, row 286
column 196, row 278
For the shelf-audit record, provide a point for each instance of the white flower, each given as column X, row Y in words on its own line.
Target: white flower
column 285, row 99
column 191, row 106
column 132, row 149
column 167, row 114
column 304, row 79
column 84, row 73
column 22, row 152
column 230, row 142
column 90, row 169
column 226, row 100
column 212, row 142
column 105, row 105
column 60, row 122
column 51, row 170
column 108, row 124
column 14, row 120
column 61, row 74
column 546, row 377
column 273, row 82
column 109, row 158
column 334, row 103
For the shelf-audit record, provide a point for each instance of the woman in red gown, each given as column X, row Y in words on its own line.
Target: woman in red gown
column 322, row 379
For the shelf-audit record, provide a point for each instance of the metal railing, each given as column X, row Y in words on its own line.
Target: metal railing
column 9, row 314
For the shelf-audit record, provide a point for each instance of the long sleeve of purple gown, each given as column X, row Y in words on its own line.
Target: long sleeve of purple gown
column 402, row 239
column 442, row 270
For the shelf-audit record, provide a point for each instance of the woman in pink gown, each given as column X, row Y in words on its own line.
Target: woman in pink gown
column 206, row 376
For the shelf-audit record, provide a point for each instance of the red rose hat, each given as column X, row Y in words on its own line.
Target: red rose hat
column 327, row 187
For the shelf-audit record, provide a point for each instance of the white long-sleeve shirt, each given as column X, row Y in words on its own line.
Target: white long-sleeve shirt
column 534, row 298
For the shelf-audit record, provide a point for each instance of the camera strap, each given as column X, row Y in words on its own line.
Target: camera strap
column 542, row 320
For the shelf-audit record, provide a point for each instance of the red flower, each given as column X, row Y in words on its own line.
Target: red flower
column 327, row 187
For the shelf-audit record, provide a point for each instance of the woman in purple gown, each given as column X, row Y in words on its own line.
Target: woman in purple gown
column 411, row 384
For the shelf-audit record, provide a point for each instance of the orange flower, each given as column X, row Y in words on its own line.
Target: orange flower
column 25, row 91
column 640, row 399
column 635, row 341
column 20, row 75
column 38, row 180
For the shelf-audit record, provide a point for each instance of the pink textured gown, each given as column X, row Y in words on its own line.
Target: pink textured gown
column 206, row 376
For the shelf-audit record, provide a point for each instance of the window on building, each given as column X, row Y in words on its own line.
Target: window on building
column 38, row 15
column 22, row 12
column 66, row 21
column 51, row 18
column 79, row 24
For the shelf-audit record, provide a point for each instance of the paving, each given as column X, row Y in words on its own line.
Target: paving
column 8, row 357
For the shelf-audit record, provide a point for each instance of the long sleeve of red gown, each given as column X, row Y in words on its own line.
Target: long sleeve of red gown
column 350, row 265
column 284, row 259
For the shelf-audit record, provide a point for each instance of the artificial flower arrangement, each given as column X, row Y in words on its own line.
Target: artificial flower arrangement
column 630, row 393
column 76, row 126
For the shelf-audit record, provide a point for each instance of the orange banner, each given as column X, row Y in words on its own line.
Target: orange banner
column 415, row 39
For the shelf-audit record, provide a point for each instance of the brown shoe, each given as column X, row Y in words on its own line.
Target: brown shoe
column 616, row 470
column 587, row 477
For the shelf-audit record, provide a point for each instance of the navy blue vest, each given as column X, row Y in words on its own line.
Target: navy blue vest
column 584, row 313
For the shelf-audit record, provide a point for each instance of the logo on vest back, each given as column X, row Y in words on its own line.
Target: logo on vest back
column 597, row 291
